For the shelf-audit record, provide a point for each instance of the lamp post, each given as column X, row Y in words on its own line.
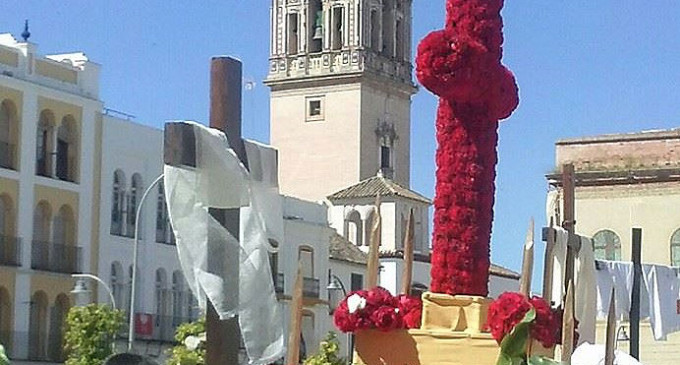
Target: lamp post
column 81, row 289
column 335, row 285
column 131, row 324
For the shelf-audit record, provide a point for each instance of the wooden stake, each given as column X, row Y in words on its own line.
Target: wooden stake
column 568, row 186
column 610, row 339
column 407, row 274
column 549, row 238
column 293, row 356
column 527, row 261
column 568, row 325
column 374, row 248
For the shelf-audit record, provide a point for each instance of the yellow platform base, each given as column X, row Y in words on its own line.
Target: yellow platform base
column 451, row 333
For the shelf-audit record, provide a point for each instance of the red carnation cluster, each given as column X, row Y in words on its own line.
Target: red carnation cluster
column 461, row 64
column 510, row 308
column 377, row 309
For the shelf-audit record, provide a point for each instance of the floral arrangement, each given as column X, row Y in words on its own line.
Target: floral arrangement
column 514, row 320
column 461, row 64
column 509, row 310
column 377, row 309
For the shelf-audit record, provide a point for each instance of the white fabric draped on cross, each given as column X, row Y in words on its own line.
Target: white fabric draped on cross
column 221, row 181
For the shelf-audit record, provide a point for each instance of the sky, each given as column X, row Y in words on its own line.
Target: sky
column 583, row 68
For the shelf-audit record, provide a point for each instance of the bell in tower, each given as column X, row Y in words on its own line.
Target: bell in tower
column 335, row 68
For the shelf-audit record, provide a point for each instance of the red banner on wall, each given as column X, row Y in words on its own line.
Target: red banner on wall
column 143, row 324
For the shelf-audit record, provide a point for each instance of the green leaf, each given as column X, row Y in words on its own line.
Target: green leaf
column 514, row 344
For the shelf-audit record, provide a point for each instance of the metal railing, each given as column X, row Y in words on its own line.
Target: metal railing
column 279, row 283
column 7, row 151
column 56, row 257
column 10, row 250
column 310, row 287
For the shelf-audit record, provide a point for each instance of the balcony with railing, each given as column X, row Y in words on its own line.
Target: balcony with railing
column 56, row 257
column 310, row 288
column 10, row 251
column 7, row 152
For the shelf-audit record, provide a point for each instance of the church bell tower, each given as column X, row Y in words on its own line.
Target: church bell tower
column 341, row 83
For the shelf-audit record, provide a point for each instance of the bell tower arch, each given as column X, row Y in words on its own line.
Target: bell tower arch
column 340, row 75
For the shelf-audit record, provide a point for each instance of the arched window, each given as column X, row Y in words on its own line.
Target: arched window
column 8, row 139
column 164, row 232
column 118, row 284
column 64, row 241
column 606, row 245
column 37, row 326
column 354, row 228
column 44, row 144
column 178, row 301
column 57, row 324
column 675, row 249
column 388, row 29
column 136, row 190
column 117, row 202
column 67, row 149
column 375, row 30
column 5, row 317
column 315, row 26
column 337, row 27
column 163, row 326
column 306, row 258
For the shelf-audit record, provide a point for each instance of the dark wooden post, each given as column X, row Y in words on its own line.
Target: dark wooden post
column 635, row 295
column 573, row 242
column 223, row 337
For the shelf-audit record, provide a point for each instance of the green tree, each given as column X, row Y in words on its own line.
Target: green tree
column 190, row 348
column 328, row 352
column 90, row 332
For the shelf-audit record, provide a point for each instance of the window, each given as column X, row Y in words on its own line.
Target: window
column 375, row 31
column 400, row 40
column 293, row 33
column 67, row 150
column 133, row 199
column 117, row 284
column 385, row 154
column 315, row 107
column 306, row 257
column 675, row 249
column 43, row 146
column 315, row 26
column 354, row 228
column 357, row 282
column 418, row 289
column 388, row 29
column 178, row 302
column 7, row 134
column 164, row 232
column 606, row 245
column 308, row 338
column 338, row 28
column 117, row 198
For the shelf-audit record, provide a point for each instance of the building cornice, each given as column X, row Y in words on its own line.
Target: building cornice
column 619, row 177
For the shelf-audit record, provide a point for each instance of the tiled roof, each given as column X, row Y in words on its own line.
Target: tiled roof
column 342, row 249
column 375, row 185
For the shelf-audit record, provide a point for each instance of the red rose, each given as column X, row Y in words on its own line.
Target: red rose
column 379, row 296
column 343, row 320
column 386, row 318
column 505, row 312
column 546, row 326
column 411, row 310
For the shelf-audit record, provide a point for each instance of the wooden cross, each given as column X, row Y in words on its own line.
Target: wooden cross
column 222, row 337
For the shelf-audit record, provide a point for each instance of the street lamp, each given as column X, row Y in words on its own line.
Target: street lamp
column 80, row 290
column 131, row 324
column 335, row 286
column 81, row 293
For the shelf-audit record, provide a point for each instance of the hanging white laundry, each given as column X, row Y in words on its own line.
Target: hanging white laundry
column 221, row 181
column 588, row 354
column 585, row 293
column 619, row 275
column 664, row 292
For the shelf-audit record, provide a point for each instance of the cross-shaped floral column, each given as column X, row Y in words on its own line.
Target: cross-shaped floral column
column 462, row 65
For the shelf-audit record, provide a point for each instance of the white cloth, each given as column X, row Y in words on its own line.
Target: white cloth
column 619, row 275
column 585, row 289
column 588, row 354
column 663, row 288
column 221, row 181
